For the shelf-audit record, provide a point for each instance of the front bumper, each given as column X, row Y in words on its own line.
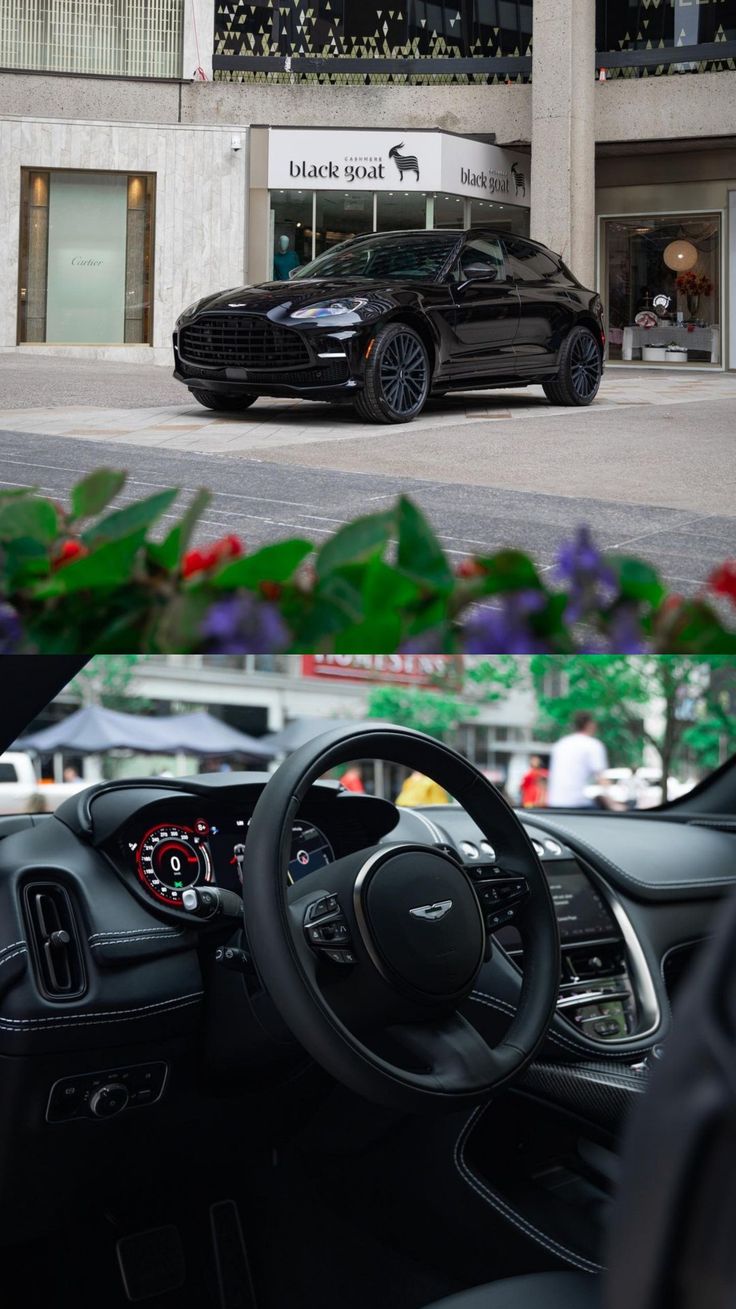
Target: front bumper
column 335, row 368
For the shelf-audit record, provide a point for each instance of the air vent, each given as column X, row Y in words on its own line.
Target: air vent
column 54, row 941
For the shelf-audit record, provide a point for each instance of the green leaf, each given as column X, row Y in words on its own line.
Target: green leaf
column 637, row 580
column 25, row 560
column 134, row 518
column 420, row 554
column 95, row 491
column 356, row 542
column 169, row 552
column 273, row 563
column 29, row 516
column 509, row 570
column 104, row 569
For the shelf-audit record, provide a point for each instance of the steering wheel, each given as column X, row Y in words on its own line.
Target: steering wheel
column 368, row 958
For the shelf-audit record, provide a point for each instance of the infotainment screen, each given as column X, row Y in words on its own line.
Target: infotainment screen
column 582, row 912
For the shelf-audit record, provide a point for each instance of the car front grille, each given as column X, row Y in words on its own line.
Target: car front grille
column 241, row 341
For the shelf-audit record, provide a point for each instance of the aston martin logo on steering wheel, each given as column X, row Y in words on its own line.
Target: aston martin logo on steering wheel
column 432, row 912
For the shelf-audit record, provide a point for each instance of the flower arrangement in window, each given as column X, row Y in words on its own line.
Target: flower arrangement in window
column 693, row 283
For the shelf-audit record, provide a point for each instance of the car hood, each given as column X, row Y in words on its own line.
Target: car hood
column 288, row 296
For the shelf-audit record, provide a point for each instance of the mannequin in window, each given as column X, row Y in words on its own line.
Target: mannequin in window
column 284, row 260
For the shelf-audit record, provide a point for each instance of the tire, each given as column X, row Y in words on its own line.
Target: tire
column 580, row 372
column 224, row 403
column 397, row 377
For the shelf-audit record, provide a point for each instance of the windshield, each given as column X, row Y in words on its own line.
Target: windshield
column 615, row 733
column 417, row 256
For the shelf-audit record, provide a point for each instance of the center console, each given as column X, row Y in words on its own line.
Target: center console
column 606, row 990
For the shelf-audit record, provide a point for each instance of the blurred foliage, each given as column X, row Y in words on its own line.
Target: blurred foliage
column 100, row 575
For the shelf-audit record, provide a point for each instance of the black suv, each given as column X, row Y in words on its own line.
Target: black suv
column 387, row 320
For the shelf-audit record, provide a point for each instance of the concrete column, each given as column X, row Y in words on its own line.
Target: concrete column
column 563, row 132
column 198, row 38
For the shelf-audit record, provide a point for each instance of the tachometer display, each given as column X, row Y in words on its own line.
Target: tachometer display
column 310, row 850
column 170, row 858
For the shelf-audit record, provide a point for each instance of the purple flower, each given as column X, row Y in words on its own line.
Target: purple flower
column 624, row 631
column 591, row 582
column 11, row 631
column 243, row 625
column 505, row 628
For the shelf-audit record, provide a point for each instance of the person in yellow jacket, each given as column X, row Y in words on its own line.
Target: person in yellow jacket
column 420, row 790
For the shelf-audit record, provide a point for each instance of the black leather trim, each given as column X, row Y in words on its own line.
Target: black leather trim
column 542, row 1291
column 647, row 858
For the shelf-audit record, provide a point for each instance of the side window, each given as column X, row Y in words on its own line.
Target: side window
column 481, row 257
column 528, row 264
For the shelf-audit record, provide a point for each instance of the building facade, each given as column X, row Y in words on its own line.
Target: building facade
column 156, row 150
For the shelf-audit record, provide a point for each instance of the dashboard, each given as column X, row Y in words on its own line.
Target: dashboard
column 174, row 855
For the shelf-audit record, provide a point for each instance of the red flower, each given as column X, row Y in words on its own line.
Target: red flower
column 470, row 568
column 68, row 551
column 271, row 590
column 200, row 561
column 723, row 580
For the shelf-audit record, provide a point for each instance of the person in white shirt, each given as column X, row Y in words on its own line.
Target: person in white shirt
column 577, row 761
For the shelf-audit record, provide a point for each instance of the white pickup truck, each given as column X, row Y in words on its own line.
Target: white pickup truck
column 21, row 791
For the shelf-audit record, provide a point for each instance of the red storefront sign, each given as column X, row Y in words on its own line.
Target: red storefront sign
column 409, row 669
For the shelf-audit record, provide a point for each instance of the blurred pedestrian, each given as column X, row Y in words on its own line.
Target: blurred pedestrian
column 420, row 790
column 577, row 761
column 533, row 785
column 352, row 780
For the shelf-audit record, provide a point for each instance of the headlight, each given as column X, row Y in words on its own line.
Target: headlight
column 334, row 310
column 190, row 310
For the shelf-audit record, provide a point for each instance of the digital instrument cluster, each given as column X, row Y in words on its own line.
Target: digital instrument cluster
column 170, row 857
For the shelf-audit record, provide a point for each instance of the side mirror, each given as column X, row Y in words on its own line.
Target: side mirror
column 479, row 271
column 293, row 272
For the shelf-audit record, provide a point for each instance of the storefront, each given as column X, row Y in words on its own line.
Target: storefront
column 85, row 257
column 663, row 266
column 310, row 189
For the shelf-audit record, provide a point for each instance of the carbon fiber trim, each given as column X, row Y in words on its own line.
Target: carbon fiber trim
column 601, row 1092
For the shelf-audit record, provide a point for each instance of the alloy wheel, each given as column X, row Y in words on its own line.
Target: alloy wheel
column 585, row 366
column 404, row 373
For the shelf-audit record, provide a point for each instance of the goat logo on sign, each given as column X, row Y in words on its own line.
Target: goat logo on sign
column 404, row 163
column 519, row 180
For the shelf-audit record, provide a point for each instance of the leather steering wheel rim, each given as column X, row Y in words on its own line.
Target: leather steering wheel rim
column 393, row 979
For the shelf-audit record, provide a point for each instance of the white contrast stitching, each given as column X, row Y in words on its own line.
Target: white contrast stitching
column 127, row 940
column 14, row 955
column 559, row 830
column 490, row 1197
column 12, row 946
column 176, row 1002
column 140, row 931
column 482, row 997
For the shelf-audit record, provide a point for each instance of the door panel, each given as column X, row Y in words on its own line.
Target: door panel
column 486, row 311
column 545, row 312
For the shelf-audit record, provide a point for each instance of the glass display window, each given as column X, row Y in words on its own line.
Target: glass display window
column 662, row 288
column 86, row 257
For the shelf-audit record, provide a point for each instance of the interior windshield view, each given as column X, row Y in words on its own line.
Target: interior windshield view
column 300, row 1004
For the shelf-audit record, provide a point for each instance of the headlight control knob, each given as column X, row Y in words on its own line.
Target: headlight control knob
column 108, row 1100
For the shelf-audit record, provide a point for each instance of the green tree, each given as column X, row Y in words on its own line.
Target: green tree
column 619, row 689
column 106, row 680
column 433, row 712
column 439, row 711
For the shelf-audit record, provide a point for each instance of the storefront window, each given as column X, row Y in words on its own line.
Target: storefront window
column 502, row 218
column 663, row 289
column 398, row 211
column 291, row 232
column 341, row 214
column 449, row 211
column 85, row 258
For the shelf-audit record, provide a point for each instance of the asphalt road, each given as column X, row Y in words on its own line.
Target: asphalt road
column 656, row 479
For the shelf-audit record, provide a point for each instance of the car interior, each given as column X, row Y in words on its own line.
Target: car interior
column 266, row 1042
